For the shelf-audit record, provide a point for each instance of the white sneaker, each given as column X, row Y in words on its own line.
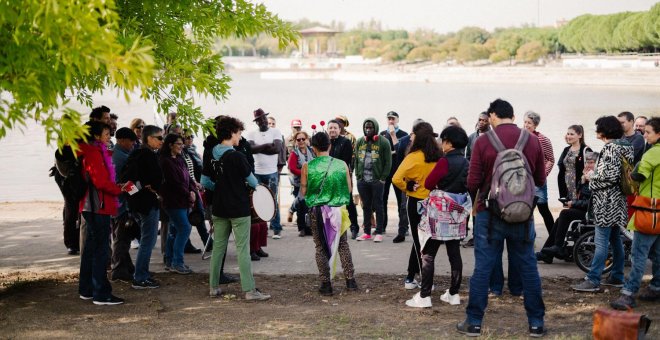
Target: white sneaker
column 418, row 301
column 255, row 294
column 135, row 244
column 277, row 235
column 410, row 284
column 451, row 299
column 378, row 238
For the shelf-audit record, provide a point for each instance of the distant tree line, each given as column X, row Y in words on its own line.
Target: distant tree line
column 612, row 33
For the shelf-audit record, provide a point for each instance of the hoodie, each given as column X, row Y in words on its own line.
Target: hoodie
column 381, row 154
column 231, row 198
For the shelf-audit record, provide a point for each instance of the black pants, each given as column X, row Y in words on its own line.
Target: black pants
column 548, row 220
column 415, row 259
column 301, row 211
column 428, row 265
column 557, row 235
column 124, row 229
column 400, row 204
column 70, row 219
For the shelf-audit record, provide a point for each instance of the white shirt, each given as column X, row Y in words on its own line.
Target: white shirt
column 264, row 164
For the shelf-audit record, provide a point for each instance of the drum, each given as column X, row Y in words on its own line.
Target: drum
column 262, row 204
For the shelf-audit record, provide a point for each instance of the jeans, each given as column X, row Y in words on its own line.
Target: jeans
column 401, row 208
column 222, row 227
column 603, row 237
column 148, row 236
column 520, row 239
column 94, row 260
column 272, row 181
column 496, row 282
column 371, row 194
column 178, row 235
column 644, row 246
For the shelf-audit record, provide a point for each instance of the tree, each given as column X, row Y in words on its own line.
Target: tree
column 531, row 51
column 472, row 35
column 58, row 51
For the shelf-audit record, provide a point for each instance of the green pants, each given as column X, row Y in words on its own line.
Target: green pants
column 222, row 228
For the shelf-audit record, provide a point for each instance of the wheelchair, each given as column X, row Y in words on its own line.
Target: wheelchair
column 581, row 236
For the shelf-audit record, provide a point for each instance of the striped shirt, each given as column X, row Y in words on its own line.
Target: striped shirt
column 548, row 154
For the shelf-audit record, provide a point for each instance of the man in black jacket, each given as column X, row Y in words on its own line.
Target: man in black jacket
column 341, row 148
column 393, row 134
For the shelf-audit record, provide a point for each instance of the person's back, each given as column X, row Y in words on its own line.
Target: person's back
column 491, row 231
column 330, row 173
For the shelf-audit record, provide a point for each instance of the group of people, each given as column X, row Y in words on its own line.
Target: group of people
column 437, row 180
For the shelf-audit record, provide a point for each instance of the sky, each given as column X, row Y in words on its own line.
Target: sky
column 448, row 15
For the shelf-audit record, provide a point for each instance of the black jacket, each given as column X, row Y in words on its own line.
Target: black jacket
column 395, row 164
column 143, row 166
column 341, row 148
column 579, row 168
column 232, row 199
column 456, row 179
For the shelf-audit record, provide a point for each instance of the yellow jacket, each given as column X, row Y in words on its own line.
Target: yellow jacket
column 413, row 168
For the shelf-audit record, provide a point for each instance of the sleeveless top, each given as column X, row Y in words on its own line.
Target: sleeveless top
column 335, row 188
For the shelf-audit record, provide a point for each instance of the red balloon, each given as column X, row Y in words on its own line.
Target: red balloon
column 322, row 123
column 313, row 126
column 375, row 138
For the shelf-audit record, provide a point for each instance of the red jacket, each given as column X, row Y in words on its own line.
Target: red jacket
column 106, row 189
column 483, row 159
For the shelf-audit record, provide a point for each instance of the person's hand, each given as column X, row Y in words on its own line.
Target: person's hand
column 569, row 204
column 199, row 186
column 390, row 128
column 192, row 196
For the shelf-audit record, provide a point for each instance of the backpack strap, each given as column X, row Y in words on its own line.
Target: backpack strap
column 522, row 140
column 495, row 141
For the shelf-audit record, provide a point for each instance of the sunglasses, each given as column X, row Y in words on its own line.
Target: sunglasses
column 189, row 137
column 158, row 137
column 140, row 127
column 301, row 139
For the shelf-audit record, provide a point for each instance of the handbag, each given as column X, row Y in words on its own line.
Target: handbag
column 308, row 215
column 616, row 325
column 647, row 213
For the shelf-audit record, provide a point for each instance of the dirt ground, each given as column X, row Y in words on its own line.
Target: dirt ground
column 38, row 305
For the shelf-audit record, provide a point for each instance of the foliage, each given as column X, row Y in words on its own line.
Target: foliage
column 58, row 51
column 531, row 51
column 397, row 50
column 499, row 56
column 471, row 52
column 472, row 35
column 422, row 53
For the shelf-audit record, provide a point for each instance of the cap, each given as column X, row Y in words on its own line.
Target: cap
column 392, row 114
column 343, row 119
column 258, row 113
column 125, row 133
column 296, row 123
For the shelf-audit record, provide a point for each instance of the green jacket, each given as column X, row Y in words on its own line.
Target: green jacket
column 381, row 154
column 649, row 167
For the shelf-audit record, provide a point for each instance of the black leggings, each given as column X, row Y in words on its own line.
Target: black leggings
column 428, row 265
column 414, row 261
column 548, row 220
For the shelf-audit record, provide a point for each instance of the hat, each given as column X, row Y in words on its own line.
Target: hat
column 296, row 123
column 125, row 133
column 392, row 114
column 343, row 119
column 258, row 113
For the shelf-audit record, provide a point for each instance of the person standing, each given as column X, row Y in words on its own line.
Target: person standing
column 97, row 206
column 393, row 134
column 491, row 231
column 633, row 136
column 266, row 144
column 531, row 122
column 194, row 164
column 326, row 185
column 373, row 160
column 142, row 167
column 343, row 124
column 640, row 124
column 410, row 179
column 644, row 245
column 299, row 156
column 137, row 125
column 124, row 227
column 482, row 127
column 341, row 147
column 609, row 205
column 231, row 207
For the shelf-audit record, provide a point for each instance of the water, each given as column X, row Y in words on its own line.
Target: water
column 25, row 159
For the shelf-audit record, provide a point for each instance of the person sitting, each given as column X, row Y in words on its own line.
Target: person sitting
column 576, row 210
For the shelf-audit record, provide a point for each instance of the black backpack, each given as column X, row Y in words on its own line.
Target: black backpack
column 75, row 184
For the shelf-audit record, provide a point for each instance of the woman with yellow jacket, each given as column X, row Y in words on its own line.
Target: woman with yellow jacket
column 410, row 177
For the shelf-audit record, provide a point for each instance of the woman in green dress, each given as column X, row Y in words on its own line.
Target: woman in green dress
column 326, row 186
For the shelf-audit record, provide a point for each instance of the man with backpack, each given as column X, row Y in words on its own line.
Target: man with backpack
column 505, row 166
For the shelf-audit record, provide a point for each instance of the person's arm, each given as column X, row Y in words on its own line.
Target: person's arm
column 303, row 180
column 293, row 164
column 98, row 174
column 548, row 155
column 386, row 154
column 346, row 152
column 538, row 168
column 172, row 178
column 643, row 170
column 440, row 170
column 475, row 171
column 348, row 180
column 608, row 170
column 399, row 177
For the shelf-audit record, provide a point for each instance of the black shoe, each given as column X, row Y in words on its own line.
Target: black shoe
column 552, row 251
column 469, row 243
column 146, row 284
column 399, row 239
column 112, row 300
column 226, row 279
column 254, row 257
column 192, row 250
column 326, row 289
column 72, row 251
column 261, row 253
column 624, row 302
column 351, row 284
column 123, row 278
column 537, row 332
column 609, row 281
column 354, row 235
column 469, row 330
column 543, row 257
column 301, row 233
